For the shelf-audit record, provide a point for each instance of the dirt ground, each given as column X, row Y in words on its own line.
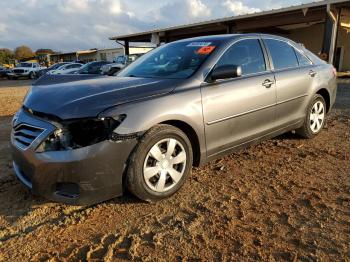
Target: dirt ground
column 287, row 199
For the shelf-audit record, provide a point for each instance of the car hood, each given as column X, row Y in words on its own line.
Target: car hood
column 81, row 96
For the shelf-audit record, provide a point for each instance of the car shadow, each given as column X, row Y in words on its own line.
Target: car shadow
column 287, row 136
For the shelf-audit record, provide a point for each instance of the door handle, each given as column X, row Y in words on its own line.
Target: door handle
column 312, row 73
column 267, row 83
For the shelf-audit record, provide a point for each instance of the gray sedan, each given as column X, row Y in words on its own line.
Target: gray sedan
column 85, row 140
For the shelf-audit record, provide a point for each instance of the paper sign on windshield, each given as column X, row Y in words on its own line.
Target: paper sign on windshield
column 205, row 50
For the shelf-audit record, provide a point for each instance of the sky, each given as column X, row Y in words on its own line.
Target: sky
column 68, row 25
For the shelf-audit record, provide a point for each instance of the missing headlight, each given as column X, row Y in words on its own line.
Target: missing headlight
column 80, row 133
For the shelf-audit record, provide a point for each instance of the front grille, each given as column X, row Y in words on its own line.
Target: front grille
column 24, row 135
column 18, row 71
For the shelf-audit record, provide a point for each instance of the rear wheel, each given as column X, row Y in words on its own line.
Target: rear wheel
column 160, row 164
column 315, row 118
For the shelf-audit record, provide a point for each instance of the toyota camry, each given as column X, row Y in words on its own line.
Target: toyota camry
column 82, row 140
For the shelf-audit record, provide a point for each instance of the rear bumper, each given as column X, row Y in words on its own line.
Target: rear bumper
column 83, row 176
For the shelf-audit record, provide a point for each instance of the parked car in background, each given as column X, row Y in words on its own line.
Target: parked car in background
column 66, row 69
column 119, row 63
column 3, row 72
column 183, row 104
column 44, row 71
column 91, row 68
column 25, row 69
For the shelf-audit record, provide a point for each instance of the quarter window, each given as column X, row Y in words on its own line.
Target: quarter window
column 247, row 54
column 283, row 55
column 303, row 61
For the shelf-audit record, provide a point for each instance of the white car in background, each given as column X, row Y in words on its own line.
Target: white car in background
column 119, row 63
column 66, row 69
column 25, row 69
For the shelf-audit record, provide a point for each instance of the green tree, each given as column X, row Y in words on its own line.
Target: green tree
column 6, row 56
column 23, row 52
column 44, row 51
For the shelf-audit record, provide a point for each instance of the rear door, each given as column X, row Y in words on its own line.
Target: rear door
column 240, row 109
column 295, row 75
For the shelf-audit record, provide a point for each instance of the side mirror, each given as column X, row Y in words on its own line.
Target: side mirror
column 225, row 72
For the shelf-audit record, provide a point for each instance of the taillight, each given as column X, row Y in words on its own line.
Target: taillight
column 334, row 71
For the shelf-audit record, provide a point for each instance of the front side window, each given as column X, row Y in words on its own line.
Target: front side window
column 247, row 54
column 283, row 54
column 177, row 60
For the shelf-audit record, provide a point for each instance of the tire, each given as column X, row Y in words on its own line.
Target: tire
column 31, row 75
column 309, row 129
column 159, row 137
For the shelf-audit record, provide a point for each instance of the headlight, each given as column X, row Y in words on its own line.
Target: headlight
column 81, row 133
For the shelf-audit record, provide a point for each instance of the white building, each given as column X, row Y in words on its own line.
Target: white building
column 96, row 54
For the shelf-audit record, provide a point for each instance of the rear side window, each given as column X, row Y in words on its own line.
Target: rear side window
column 283, row 55
column 303, row 61
column 247, row 54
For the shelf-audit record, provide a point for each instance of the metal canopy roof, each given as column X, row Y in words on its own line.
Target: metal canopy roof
column 306, row 13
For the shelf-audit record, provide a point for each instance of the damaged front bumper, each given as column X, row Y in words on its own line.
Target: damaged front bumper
column 82, row 176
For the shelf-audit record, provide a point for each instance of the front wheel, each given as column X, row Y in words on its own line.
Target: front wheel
column 160, row 164
column 315, row 118
column 31, row 75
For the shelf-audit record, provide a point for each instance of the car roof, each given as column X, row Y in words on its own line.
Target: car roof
column 229, row 37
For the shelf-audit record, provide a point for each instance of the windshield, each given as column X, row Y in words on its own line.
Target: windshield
column 176, row 60
column 24, row 65
column 92, row 67
column 84, row 69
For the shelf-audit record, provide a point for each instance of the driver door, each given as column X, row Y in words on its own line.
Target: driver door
column 242, row 109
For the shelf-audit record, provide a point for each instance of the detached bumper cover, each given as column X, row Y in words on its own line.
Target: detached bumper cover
column 95, row 171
